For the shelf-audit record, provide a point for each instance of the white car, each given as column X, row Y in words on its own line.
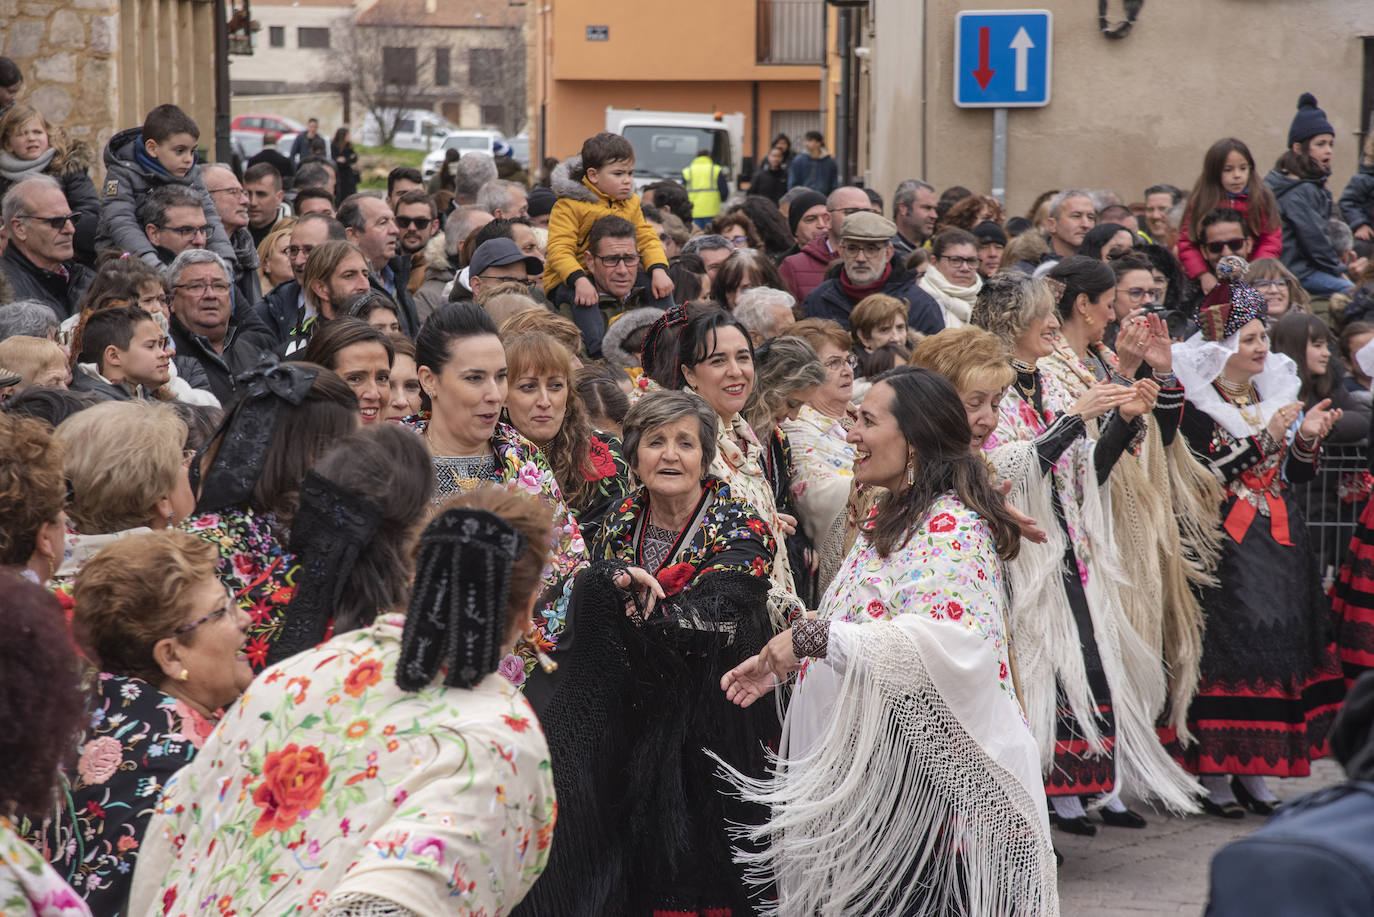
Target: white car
column 464, row 142
column 416, row 129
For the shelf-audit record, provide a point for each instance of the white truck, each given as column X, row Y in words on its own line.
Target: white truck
column 666, row 142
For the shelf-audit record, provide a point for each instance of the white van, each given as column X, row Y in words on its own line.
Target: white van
column 416, row 129
column 464, row 142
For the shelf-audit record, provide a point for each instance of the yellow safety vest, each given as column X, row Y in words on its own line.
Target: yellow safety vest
column 703, row 187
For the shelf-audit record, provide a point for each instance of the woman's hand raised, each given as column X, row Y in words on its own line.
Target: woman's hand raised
column 757, row 675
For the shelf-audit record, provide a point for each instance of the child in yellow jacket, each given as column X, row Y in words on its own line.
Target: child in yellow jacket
column 606, row 187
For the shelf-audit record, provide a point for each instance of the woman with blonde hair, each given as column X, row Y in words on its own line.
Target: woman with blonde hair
column 876, row 321
column 274, row 264
column 1280, row 289
column 37, row 361
column 29, row 145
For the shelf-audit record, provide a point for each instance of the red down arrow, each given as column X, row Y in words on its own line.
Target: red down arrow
column 984, row 73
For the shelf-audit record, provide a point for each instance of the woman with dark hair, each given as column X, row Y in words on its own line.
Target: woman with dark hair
column 404, row 382
column 167, row 643
column 249, row 481
column 374, row 307
column 43, row 710
column 743, row 270
column 543, row 406
column 33, row 495
column 1306, row 340
column 1088, row 681
column 787, row 377
column 464, row 381
column 600, row 388
column 771, row 225
column 715, row 359
column 690, row 280
column 345, row 164
column 362, row 356
column 1270, row 677
column 392, row 769
column 642, row 819
column 1106, row 241
column 736, row 228
column 1298, row 181
column 952, row 279
column 784, row 143
column 905, row 722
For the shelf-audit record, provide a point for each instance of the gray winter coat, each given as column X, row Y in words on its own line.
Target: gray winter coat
column 1305, row 206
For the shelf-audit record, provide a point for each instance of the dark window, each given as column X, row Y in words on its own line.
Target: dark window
column 312, row 38
column 276, row 36
column 398, row 66
column 484, row 67
column 492, row 115
column 441, row 66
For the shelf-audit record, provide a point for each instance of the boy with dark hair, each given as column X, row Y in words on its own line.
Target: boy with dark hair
column 124, row 355
column 161, row 152
column 11, row 83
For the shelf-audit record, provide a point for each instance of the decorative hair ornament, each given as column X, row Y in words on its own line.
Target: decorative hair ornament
column 331, row 528
column 248, row 430
column 672, row 318
column 457, row 617
column 1057, row 289
column 1232, row 303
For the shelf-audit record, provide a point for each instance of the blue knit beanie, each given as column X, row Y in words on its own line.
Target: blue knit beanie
column 1309, row 121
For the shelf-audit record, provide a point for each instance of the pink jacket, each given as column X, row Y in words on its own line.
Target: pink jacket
column 804, row 271
column 1268, row 245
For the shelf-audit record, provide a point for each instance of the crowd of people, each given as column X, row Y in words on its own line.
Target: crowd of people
column 547, row 546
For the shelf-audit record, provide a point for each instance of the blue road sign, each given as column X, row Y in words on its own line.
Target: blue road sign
column 1002, row 58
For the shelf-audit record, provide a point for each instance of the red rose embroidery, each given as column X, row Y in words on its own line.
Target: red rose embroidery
column 169, row 898
column 876, row 609
column 602, row 461
column 292, row 783
column 365, row 675
column 954, row 610
column 516, row 723
column 942, row 523
column 1002, row 670
column 674, row 578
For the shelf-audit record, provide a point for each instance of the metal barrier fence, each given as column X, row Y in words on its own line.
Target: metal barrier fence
column 1333, row 502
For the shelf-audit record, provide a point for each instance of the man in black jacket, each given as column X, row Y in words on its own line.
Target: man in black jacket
column 865, row 247
column 207, row 334
column 39, row 260
column 283, row 310
column 371, row 226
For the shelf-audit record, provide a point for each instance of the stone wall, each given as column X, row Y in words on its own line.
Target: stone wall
column 96, row 67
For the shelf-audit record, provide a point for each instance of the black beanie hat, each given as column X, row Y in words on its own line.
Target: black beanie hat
column 1309, row 121
column 541, row 201
column 800, row 204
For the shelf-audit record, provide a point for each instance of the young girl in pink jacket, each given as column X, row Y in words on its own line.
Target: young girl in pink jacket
column 1228, row 180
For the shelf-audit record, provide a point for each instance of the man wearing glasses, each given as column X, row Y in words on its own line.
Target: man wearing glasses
column 173, row 221
column 39, row 260
column 1223, row 233
column 612, row 264
column 209, row 336
column 231, row 203
column 865, row 247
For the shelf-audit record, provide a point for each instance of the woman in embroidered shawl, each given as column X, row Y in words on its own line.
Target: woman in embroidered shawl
column 908, row 781
column 249, row 477
column 1087, row 679
column 1163, row 501
column 715, row 359
column 390, row 770
column 642, row 822
column 1271, row 683
column 167, row 642
column 463, row 387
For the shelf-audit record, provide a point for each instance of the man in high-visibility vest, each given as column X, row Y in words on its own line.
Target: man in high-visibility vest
column 706, row 187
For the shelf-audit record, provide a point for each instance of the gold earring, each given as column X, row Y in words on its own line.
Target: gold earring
column 1088, row 319
column 183, row 675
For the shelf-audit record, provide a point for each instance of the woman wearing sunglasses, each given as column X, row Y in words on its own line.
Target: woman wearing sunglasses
column 168, row 643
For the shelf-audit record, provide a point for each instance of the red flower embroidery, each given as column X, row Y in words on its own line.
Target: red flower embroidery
column 256, row 651
column 169, row 898
column 1002, row 670
column 759, row 567
column 602, row 461
column 245, row 564
column 674, row 578
column 954, row 610
column 942, row 523
column 757, row 526
column 365, row 675
column 516, row 723
column 876, row 609
column 292, row 783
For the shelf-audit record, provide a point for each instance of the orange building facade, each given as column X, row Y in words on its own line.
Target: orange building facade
column 760, row 58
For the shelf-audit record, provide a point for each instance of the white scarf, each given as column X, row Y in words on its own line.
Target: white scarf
column 1197, row 363
column 955, row 301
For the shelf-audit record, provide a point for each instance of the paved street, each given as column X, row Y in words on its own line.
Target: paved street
column 1161, row 869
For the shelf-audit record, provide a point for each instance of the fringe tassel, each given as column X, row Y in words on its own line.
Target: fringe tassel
column 896, row 809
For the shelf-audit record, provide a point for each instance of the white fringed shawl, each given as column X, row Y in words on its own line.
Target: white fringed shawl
column 1043, row 632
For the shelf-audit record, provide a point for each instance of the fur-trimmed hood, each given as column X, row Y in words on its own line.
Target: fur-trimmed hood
column 564, row 185
column 80, row 157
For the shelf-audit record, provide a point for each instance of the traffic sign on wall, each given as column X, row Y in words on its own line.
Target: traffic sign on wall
column 1002, row 58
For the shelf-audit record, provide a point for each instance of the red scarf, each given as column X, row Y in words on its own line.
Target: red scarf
column 858, row 293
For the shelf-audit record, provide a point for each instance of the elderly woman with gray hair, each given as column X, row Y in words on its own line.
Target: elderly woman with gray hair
column 642, row 818
column 787, row 374
column 766, row 312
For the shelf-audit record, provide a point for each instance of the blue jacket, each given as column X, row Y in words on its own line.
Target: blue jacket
column 1314, row 857
column 1357, row 200
column 817, row 174
column 280, row 311
column 1305, row 206
column 829, row 300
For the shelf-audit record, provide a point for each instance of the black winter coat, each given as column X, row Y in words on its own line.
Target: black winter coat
column 61, row 294
column 1305, row 206
column 1357, row 200
column 829, row 300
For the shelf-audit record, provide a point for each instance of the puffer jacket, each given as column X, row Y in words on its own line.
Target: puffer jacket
column 580, row 205
column 72, row 171
column 1357, row 200
column 805, row 270
column 1305, row 205
column 127, row 181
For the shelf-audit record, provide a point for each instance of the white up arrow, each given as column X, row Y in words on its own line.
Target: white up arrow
column 1022, row 44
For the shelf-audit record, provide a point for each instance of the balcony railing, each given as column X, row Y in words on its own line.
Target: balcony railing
column 790, row 31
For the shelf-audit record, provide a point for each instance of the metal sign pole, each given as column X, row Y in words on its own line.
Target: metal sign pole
column 999, row 154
